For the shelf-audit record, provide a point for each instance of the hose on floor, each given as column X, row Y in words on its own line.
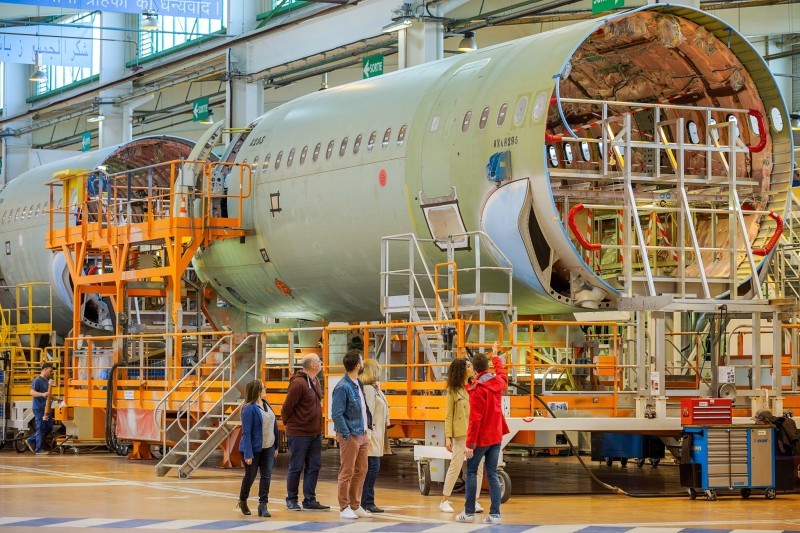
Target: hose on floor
column 574, row 451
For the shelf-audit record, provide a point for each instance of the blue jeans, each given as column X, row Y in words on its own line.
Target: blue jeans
column 263, row 461
column 492, row 454
column 43, row 427
column 305, row 455
column 368, row 492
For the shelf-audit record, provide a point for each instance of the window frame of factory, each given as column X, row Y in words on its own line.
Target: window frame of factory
column 176, row 34
column 60, row 77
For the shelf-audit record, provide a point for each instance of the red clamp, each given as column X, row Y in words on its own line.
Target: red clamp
column 775, row 236
column 578, row 235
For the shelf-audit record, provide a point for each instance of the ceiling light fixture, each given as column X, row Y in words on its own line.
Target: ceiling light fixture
column 468, row 43
column 38, row 74
column 149, row 21
column 95, row 117
column 397, row 25
column 210, row 118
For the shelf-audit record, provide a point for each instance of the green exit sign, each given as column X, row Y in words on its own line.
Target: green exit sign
column 372, row 66
column 200, row 109
column 598, row 6
column 86, row 141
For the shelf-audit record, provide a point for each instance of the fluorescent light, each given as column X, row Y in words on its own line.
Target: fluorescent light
column 397, row 25
column 468, row 43
column 95, row 117
column 149, row 22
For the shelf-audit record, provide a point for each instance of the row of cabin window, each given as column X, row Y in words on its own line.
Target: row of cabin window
column 401, row 136
column 21, row 213
column 586, row 150
column 387, row 137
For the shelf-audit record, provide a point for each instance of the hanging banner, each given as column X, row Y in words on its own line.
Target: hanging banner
column 205, row 9
column 56, row 45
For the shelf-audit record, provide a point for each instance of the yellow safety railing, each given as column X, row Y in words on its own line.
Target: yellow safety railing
column 534, row 368
column 452, row 291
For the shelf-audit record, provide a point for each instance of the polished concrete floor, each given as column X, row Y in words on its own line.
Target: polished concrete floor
column 105, row 492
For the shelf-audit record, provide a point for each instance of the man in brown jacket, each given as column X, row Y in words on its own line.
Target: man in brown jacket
column 302, row 417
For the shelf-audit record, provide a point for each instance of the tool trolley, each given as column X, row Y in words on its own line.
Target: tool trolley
column 730, row 457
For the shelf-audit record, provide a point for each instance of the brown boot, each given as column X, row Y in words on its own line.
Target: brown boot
column 243, row 506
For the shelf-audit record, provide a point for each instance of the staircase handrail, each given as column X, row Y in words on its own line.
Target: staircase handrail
column 189, row 374
column 186, row 404
column 413, row 239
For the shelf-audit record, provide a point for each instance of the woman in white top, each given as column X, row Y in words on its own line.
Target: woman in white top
column 379, row 407
column 259, row 445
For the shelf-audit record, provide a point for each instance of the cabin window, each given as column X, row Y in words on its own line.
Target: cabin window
column 329, row 151
column 777, row 119
column 371, row 142
column 278, row 160
column 265, row 164
column 290, row 159
column 386, row 137
column 466, row 121
column 303, row 154
column 317, row 148
column 435, row 124
column 568, row 153
column 552, row 155
column 357, row 144
column 501, row 115
column 714, row 131
column 401, row 135
column 343, row 147
column 484, row 118
column 694, row 134
column 732, row 118
column 519, row 112
column 586, row 151
column 754, row 125
column 255, row 165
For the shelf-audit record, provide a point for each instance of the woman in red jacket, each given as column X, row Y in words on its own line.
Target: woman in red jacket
column 487, row 425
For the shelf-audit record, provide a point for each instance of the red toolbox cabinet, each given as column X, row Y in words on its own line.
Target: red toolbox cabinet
column 704, row 411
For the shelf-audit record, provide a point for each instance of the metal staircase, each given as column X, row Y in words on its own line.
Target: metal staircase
column 209, row 413
column 427, row 296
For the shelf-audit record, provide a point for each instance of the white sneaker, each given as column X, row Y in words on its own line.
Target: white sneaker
column 362, row 513
column 492, row 519
column 478, row 508
column 464, row 517
column 446, row 507
column 348, row 513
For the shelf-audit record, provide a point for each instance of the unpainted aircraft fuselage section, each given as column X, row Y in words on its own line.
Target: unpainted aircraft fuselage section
column 24, row 221
column 412, row 152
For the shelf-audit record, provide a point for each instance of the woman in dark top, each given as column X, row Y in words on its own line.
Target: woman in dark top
column 259, row 445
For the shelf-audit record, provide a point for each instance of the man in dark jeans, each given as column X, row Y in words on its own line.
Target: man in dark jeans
column 39, row 389
column 302, row 417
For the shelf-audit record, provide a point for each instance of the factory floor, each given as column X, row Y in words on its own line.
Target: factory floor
column 105, row 492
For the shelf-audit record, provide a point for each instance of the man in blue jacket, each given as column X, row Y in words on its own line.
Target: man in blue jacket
column 351, row 421
column 40, row 395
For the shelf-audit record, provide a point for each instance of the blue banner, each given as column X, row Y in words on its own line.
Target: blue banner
column 206, row 9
